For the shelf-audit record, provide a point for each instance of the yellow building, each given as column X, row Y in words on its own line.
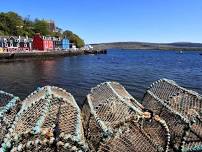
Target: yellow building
column 1, row 50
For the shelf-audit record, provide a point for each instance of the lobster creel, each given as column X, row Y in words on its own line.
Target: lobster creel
column 115, row 121
column 182, row 111
column 48, row 115
column 9, row 107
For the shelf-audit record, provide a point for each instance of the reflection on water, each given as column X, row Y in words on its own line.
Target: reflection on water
column 136, row 70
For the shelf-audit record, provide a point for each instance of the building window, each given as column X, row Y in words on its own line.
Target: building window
column 11, row 44
column 25, row 45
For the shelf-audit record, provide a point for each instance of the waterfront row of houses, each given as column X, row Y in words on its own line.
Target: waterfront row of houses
column 38, row 42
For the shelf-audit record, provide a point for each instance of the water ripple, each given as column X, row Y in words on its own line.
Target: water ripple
column 136, row 70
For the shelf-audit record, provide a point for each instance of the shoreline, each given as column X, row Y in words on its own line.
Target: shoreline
column 154, row 49
column 44, row 54
column 158, row 49
column 150, row 46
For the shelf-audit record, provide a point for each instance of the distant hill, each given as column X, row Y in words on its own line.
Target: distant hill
column 186, row 44
column 150, row 46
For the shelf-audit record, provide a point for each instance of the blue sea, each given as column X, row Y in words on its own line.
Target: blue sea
column 134, row 69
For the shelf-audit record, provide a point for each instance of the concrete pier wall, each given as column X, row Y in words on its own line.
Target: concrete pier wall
column 54, row 53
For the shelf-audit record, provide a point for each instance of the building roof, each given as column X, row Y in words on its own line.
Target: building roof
column 19, row 38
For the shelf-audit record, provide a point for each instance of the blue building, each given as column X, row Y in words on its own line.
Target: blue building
column 65, row 43
column 60, row 43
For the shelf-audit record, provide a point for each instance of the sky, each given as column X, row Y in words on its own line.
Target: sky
column 99, row 21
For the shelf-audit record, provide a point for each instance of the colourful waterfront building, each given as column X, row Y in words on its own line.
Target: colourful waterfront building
column 15, row 44
column 1, row 50
column 56, row 43
column 39, row 42
column 60, row 43
column 65, row 43
column 42, row 42
column 1, row 45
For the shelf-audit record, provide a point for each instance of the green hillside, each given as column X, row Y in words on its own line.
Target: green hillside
column 13, row 24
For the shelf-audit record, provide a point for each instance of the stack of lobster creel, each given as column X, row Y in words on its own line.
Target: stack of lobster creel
column 49, row 119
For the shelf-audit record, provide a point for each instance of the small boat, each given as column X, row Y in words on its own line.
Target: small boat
column 179, row 52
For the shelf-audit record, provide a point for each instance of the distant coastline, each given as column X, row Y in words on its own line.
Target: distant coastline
column 178, row 46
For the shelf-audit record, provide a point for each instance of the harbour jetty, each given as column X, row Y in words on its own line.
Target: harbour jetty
column 49, row 119
column 43, row 54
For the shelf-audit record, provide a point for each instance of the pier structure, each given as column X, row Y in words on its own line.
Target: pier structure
column 46, row 54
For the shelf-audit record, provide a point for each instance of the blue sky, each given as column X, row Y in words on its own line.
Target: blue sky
column 118, row 20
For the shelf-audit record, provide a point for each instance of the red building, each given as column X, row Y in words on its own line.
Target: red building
column 42, row 42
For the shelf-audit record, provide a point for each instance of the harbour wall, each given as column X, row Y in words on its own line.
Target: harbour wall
column 54, row 53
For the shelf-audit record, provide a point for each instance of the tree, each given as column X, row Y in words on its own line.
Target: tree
column 74, row 38
column 79, row 42
column 41, row 26
column 3, row 24
column 13, row 24
column 28, row 27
